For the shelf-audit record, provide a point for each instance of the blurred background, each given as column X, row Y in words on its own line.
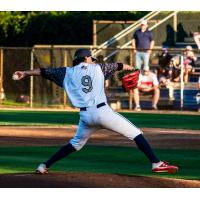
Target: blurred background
column 49, row 39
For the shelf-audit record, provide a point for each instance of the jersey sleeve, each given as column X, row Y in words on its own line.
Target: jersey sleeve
column 56, row 75
column 109, row 69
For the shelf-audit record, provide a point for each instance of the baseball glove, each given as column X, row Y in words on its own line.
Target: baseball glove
column 130, row 81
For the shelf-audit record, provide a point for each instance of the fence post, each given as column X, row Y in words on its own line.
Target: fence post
column 31, row 78
column 94, row 33
column 65, row 65
column 130, row 99
column 1, row 75
column 182, row 84
column 175, row 26
column 131, row 57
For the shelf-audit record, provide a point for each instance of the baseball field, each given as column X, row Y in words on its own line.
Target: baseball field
column 108, row 160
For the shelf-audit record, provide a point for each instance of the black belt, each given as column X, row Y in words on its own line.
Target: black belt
column 141, row 50
column 98, row 106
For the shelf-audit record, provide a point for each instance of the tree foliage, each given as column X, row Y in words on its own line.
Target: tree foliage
column 29, row 28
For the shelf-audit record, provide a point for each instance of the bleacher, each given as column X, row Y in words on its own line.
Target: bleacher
column 119, row 99
column 177, row 40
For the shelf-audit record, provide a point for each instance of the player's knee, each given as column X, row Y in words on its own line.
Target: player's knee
column 138, row 132
column 78, row 147
column 133, row 134
column 77, row 144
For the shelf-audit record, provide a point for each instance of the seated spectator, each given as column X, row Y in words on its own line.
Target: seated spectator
column 164, row 58
column 196, row 36
column 189, row 62
column 164, row 73
column 175, row 69
column 165, row 82
column 147, row 84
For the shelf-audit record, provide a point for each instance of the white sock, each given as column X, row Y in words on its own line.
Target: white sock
column 154, row 165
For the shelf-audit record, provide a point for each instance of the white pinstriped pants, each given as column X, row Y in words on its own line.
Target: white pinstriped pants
column 102, row 118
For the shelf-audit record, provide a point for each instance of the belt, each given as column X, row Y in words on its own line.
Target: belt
column 98, row 106
column 141, row 50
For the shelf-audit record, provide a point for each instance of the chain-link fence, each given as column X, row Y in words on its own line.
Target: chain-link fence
column 38, row 92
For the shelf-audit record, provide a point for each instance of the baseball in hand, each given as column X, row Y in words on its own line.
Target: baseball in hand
column 15, row 77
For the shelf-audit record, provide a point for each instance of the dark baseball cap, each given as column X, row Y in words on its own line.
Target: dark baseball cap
column 81, row 53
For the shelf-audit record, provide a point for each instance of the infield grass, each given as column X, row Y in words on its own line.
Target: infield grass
column 60, row 118
column 100, row 159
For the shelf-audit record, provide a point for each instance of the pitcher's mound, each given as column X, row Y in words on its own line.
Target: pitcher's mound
column 90, row 180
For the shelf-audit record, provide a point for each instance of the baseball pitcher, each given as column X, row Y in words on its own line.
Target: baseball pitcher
column 84, row 85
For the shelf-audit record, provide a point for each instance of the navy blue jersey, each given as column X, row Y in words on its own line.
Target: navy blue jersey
column 143, row 39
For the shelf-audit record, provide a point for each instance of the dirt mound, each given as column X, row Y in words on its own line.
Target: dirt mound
column 91, row 180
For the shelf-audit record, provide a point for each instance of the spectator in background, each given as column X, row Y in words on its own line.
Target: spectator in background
column 175, row 69
column 165, row 72
column 147, row 84
column 170, row 68
column 164, row 58
column 142, row 43
column 189, row 62
column 164, row 64
column 196, row 36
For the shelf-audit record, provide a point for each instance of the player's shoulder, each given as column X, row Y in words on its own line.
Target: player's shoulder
column 94, row 65
column 89, row 67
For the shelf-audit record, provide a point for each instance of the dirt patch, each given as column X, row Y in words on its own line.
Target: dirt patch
column 51, row 136
column 91, row 180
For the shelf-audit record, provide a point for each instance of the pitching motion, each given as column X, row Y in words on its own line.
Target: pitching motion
column 84, row 85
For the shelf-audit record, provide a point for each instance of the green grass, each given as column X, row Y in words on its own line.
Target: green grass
column 14, row 104
column 100, row 159
column 10, row 103
column 27, row 118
